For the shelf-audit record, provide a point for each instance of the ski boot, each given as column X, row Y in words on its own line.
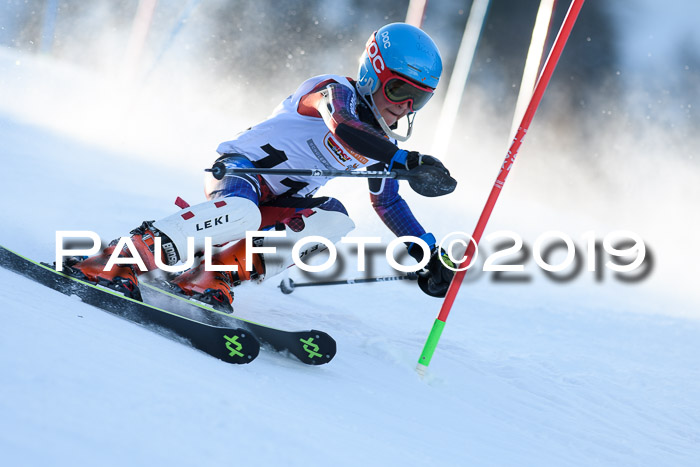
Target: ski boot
column 121, row 278
column 214, row 287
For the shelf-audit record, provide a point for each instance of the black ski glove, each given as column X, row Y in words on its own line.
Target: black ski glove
column 428, row 176
column 435, row 278
column 415, row 159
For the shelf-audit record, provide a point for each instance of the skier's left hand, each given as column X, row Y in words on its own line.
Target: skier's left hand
column 435, row 278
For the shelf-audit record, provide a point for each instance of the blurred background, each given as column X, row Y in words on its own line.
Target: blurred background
column 644, row 50
column 614, row 144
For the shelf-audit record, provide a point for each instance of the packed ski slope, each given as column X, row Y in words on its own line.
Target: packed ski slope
column 525, row 374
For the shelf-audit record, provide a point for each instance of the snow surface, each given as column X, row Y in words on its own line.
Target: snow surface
column 579, row 373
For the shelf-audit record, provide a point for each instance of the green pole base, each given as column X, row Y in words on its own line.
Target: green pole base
column 429, row 347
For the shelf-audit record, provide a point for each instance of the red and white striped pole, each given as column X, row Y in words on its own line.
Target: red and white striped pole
column 416, row 12
column 542, row 82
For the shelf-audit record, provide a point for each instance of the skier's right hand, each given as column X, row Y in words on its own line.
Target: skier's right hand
column 415, row 159
column 427, row 175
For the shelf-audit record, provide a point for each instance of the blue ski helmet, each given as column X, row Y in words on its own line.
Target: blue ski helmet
column 403, row 49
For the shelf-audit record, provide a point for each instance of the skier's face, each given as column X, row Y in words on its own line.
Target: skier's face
column 391, row 112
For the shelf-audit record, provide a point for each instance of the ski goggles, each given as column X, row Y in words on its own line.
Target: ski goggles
column 397, row 89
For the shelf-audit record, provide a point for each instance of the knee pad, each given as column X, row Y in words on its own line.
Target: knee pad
column 332, row 225
column 222, row 219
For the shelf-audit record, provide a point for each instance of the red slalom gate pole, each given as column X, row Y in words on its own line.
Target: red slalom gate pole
column 542, row 82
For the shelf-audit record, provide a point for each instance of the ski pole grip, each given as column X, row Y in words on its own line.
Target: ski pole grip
column 218, row 170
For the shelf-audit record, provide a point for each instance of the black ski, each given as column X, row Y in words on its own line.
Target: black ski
column 230, row 344
column 310, row 347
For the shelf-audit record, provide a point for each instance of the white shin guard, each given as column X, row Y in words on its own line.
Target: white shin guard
column 331, row 225
column 222, row 219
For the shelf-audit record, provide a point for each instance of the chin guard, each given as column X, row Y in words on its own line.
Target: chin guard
column 377, row 116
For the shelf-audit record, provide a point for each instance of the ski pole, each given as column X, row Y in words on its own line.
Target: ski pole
column 287, row 285
column 220, row 171
column 542, row 82
column 427, row 180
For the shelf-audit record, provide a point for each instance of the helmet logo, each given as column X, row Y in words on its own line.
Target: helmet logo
column 375, row 57
column 385, row 39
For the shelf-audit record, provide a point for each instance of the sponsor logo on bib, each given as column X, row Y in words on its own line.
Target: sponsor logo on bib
column 342, row 154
